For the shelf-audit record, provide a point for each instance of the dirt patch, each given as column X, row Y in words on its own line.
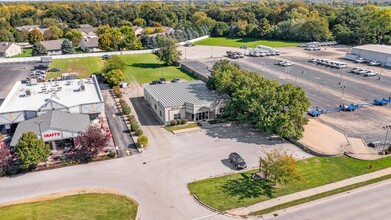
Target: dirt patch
column 323, row 139
column 66, row 193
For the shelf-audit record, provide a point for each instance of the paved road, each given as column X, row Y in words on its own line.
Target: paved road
column 370, row 202
column 120, row 133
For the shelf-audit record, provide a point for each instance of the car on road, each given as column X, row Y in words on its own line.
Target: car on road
column 237, row 160
column 360, row 60
column 54, row 70
column 175, row 80
column 287, row 63
column 374, row 63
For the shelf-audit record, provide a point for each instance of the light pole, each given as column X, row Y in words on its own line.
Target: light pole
column 343, row 90
column 185, row 52
column 340, row 76
column 39, row 127
column 211, row 52
column 387, row 128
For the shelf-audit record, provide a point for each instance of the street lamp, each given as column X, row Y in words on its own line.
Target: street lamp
column 343, row 90
column 387, row 128
column 211, row 51
column 340, row 76
column 39, row 127
column 185, row 52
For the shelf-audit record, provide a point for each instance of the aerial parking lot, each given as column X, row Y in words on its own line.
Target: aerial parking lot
column 329, row 87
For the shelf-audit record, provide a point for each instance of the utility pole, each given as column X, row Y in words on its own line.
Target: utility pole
column 387, row 128
column 343, row 90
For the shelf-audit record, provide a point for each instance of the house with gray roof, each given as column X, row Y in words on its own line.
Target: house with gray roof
column 54, row 126
column 87, row 31
column 91, row 43
column 9, row 49
column 190, row 100
column 53, row 46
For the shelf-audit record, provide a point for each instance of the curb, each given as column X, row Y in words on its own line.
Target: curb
column 205, row 205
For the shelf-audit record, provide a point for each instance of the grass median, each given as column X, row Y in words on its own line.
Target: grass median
column 249, row 42
column 85, row 206
column 238, row 190
column 83, row 67
column 180, row 127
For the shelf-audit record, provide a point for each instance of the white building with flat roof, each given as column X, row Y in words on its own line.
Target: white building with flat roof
column 190, row 100
column 28, row 100
column 374, row 52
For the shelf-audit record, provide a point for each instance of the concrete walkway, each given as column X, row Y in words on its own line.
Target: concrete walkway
column 309, row 192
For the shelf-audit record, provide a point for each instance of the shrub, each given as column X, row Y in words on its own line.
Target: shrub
column 111, row 154
column 173, row 122
column 122, row 102
column 117, row 92
column 139, row 132
column 134, row 126
column 126, row 109
column 183, row 121
column 132, row 119
column 142, row 140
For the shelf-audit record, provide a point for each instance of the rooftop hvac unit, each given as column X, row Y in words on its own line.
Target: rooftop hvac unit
column 82, row 87
column 28, row 92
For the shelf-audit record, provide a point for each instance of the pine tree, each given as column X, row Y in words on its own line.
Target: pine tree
column 67, row 47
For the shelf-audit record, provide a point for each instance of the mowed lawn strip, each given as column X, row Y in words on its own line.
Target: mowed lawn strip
column 144, row 68
column 181, row 127
column 85, row 206
column 83, row 67
column 237, row 190
column 26, row 53
column 249, row 42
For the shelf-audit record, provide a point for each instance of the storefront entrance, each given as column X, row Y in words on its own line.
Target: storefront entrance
column 200, row 116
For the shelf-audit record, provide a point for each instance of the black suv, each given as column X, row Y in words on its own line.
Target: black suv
column 237, row 160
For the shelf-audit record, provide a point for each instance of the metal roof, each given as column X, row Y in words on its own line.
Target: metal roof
column 53, row 120
column 176, row 94
column 375, row 48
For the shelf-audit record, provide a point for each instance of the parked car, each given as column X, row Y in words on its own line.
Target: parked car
column 279, row 62
column 374, row 144
column 155, row 82
column 106, row 56
column 175, row 80
column 188, row 44
column 356, row 70
column 54, row 70
column 162, row 80
column 360, row 60
column 369, row 73
column 237, row 160
column 374, row 63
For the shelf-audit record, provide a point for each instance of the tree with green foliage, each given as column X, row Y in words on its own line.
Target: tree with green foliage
column 129, row 40
column 139, row 22
column 67, row 47
column 115, row 77
column 6, row 36
column 104, row 42
column 279, row 167
column 264, row 103
column 30, row 150
column 168, row 52
column 35, row 36
column 75, row 36
column 115, row 62
column 220, row 29
column 38, row 50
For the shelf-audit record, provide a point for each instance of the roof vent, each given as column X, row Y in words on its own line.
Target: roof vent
column 28, row 92
column 82, row 87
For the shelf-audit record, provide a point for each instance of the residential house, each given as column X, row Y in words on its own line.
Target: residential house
column 87, row 31
column 9, row 49
column 27, row 28
column 91, row 44
column 53, row 46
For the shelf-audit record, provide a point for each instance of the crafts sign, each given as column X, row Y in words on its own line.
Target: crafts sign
column 52, row 134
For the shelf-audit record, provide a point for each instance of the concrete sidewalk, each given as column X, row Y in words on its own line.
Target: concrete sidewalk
column 309, row 192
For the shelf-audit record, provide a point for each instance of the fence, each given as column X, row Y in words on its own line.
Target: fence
column 69, row 56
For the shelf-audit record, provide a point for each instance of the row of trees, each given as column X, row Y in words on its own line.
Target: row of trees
column 356, row 24
column 66, row 48
column 114, row 39
column 266, row 104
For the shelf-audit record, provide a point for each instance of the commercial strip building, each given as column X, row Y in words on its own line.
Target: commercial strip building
column 55, row 127
column 29, row 99
column 369, row 52
column 190, row 100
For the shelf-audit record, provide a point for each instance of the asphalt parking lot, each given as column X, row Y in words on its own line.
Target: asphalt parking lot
column 10, row 73
column 324, row 91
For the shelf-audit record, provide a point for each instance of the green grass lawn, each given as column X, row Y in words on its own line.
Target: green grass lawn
column 180, row 127
column 237, row 190
column 249, row 42
column 144, row 68
column 84, row 67
column 26, row 53
column 86, row 206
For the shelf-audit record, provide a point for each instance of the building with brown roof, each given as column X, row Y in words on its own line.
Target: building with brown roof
column 53, row 46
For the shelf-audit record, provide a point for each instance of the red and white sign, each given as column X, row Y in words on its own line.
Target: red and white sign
column 52, row 134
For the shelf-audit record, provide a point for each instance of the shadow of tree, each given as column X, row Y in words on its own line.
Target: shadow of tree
column 246, row 187
column 148, row 65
